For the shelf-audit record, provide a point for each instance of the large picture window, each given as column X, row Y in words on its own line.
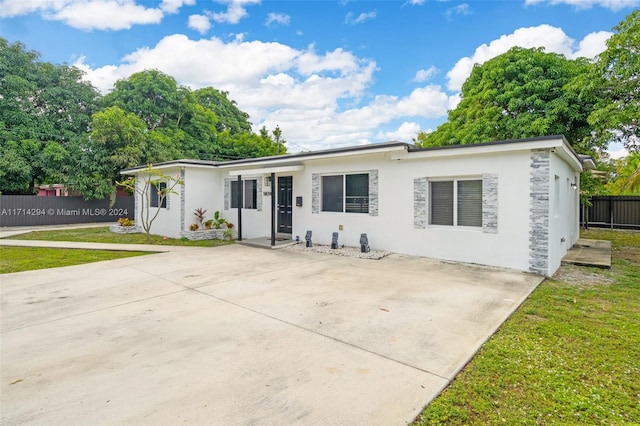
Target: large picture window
column 456, row 203
column 249, row 194
column 155, row 193
column 346, row 193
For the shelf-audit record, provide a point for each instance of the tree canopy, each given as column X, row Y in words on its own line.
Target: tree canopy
column 56, row 128
column 521, row 93
column 615, row 83
column 43, row 108
column 527, row 92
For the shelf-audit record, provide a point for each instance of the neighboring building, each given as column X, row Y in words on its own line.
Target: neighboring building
column 60, row 190
column 53, row 190
column 511, row 204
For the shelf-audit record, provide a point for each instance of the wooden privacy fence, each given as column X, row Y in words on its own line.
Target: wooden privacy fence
column 612, row 211
column 29, row 210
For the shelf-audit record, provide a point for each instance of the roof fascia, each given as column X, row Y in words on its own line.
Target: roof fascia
column 168, row 165
column 555, row 143
column 266, row 162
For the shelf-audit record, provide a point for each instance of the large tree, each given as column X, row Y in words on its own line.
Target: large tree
column 626, row 176
column 43, row 108
column 56, row 128
column 521, row 93
column 192, row 120
column 616, row 86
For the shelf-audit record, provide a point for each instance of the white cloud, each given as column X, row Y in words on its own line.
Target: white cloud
column 106, row 15
column 405, row 133
column 86, row 14
column 425, row 74
column 199, row 23
column 592, row 45
column 551, row 38
column 319, row 100
column 364, row 16
column 617, row 150
column 278, row 18
column 461, row 9
column 173, row 6
column 614, row 5
column 235, row 11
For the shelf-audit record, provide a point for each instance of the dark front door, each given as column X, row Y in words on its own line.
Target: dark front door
column 285, row 204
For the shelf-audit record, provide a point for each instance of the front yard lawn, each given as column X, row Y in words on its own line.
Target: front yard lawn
column 569, row 355
column 19, row 259
column 103, row 235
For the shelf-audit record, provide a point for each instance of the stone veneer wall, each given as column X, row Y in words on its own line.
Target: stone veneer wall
column 420, row 203
column 205, row 234
column 227, row 192
column 373, row 192
column 259, row 193
column 490, row 203
column 539, row 212
column 315, row 193
column 182, row 200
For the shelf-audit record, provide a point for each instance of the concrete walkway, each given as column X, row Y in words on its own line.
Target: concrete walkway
column 589, row 253
column 6, row 232
column 235, row 335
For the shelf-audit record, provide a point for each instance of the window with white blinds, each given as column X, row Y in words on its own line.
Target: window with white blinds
column 456, row 199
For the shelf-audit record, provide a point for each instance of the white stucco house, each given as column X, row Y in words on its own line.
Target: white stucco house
column 511, row 204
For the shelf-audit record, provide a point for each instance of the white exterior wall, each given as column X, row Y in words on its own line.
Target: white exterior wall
column 202, row 190
column 323, row 224
column 537, row 218
column 393, row 229
column 564, row 226
column 168, row 221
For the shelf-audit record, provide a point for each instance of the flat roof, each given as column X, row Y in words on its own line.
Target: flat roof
column 359, row 148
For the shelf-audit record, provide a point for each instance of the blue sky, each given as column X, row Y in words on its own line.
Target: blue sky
column 329, row 73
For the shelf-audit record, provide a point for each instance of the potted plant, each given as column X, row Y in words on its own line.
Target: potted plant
column 208, row 224
column 194, row 227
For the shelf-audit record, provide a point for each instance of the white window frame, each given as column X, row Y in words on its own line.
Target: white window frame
column 154, row 195
column 455, row 217
column 344, row 192
column 243, row 194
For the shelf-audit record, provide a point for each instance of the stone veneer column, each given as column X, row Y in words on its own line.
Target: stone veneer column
column 227, row 191
column 539, row 212
column 315, row 193
column 490, row 203
column 259, row 191
column 373, row 192
column 136, row 206
column 182, row 200
column 420, row 203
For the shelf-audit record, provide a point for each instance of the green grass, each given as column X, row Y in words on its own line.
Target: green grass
column 569, row 355
column 19, row 259
column 103, row 235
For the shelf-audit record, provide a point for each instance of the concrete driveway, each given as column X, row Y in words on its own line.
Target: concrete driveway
column 239, row 335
